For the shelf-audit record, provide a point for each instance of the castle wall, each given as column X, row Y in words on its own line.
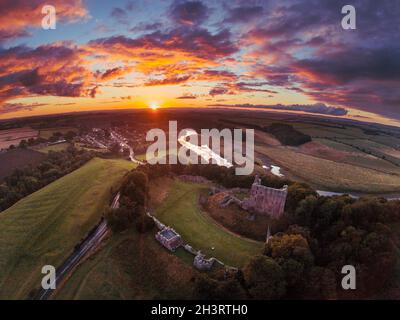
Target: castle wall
column 265, row 200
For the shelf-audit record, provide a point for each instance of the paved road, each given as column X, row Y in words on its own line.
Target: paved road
column 123, row 143
column 90, row 243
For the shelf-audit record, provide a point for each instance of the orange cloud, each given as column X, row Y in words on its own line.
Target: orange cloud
column 18, row 15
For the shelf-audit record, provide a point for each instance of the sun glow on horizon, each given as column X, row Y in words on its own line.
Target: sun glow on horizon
column 154, row 106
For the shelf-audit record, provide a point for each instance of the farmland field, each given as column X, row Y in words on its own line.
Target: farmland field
column 181, row 211
column 14, row 136
column 18, row 158
column 47, row 133
column 56, row 147
column 330, row 175
column 44, row 227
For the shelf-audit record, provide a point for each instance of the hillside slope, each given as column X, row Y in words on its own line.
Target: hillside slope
column 43, row 228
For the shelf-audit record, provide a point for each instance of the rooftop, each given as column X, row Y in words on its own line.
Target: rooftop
column 169, row 234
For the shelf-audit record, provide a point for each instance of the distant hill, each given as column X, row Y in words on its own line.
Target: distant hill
column 287, row 135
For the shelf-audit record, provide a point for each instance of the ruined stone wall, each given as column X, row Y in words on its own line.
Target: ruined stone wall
column 265, row 200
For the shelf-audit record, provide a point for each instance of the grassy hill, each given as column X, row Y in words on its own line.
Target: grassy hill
column 181, row 211
column 44, row 227
column 136, row 266
column 130, row 266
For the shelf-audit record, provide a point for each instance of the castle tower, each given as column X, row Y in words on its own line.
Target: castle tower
column 265, row 200
column 257, row 180
column 269, row 236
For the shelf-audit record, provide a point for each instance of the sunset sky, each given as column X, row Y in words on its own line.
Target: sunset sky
column 275, row 54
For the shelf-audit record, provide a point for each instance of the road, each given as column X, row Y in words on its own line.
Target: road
column 89, row 244
column 118, row 138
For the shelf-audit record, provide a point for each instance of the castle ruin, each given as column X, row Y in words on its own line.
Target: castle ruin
column 265, row 200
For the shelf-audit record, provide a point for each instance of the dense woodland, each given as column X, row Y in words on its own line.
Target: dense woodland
column 287, row 135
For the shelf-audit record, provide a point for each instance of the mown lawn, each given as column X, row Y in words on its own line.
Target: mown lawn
column 43, row 228
column 181, row 211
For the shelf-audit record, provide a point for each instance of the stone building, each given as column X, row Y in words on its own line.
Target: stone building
column 201, row 263
column 169, row 238
column 265, row 200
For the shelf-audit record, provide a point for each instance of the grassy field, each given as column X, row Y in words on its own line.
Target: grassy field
column 47, row 133
column 44, row 227
column 331, row 175
column 14, row 136
column 55, row 147
column 131, row 266
column 18, row 158
column 181, row 211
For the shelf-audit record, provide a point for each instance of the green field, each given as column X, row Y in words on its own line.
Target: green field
column 47, row 133
column 55, row 148
column 130, row 266
column 181, row 211
column 330, row 175
column 44, row 227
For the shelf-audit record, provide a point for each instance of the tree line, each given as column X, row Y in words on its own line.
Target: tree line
column 25, row 181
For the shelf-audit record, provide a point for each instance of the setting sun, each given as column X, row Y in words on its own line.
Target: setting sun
column 154, row 106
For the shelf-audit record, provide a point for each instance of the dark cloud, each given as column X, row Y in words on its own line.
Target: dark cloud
column 354, row 64
column 244, row 14
column 187, row 97
column 18, row 15
column 114, row 73
column 318, row 108
column 365, row 78
column 218, row 91
column 189, row 12
column 120, row 15
column 8, row 35
column 167, row 81
column 15, row 107
column 148, row 27
column 47, row 70
column 198, row 42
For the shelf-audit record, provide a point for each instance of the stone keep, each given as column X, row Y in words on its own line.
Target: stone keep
column 265, row 200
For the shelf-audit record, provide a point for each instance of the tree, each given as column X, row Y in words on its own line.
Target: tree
column 119, row 219
column 321, row 284
column 264, row 278
column 23, row 144
column 292, row 253
column 297, row 192
column 144, row 223
column 135, row 187
column 70, row 135
column 115, row 148
column 207, row 288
